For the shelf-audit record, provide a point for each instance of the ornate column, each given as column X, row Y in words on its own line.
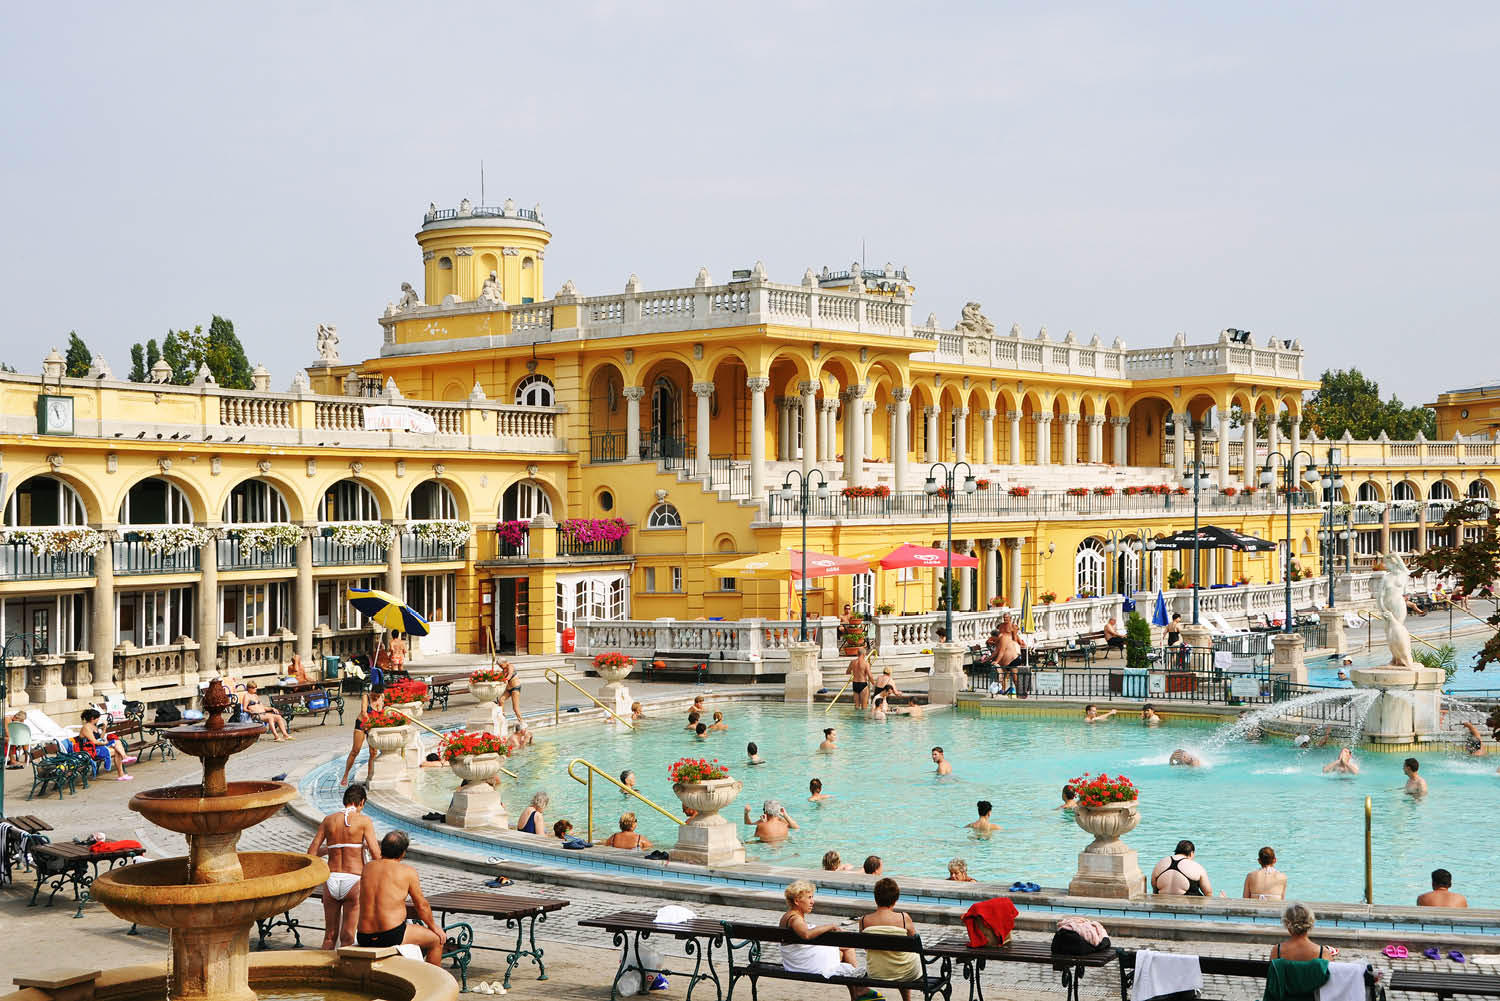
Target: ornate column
column 705, row 392
column 207, row 612
column 934, row 443
column 1273, row 444
column 854, row 433
column 1252, row 473
column 1122, row 440
column 1422, row 525
column 1385, row 528
column 828, row 433
column 1070, row 439
column 987, row 569
column 393, row 561
column 1224, row 450
column 988, row 417
column 1013, row 565
column 1014, row 417
column 1296, row 421
column 758, row 385
column 633, row 396
column 102, row 618
column 1043, row 424
column 809, row 391
column 783, row 429
column 305, row 612
column 900, row 448
column 961, row 434
column 867, row 436
column 1096, row 440
column 1179, row 442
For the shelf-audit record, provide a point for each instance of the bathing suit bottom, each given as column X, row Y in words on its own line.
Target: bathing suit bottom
column 382, row 939
column 340, row 883
column 860, row 686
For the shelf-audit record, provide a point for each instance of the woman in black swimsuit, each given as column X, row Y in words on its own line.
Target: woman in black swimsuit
column 1191, row 880
column 371, row 701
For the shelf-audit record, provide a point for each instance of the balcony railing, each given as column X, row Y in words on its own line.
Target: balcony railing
column 18, row 561
column 417, row 549
column 327, row 553
column 134, row 557
column 1000, row 504
column 235, row 555
column 607, row 446
column 568, row 545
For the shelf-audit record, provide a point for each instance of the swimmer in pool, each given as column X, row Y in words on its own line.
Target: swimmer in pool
column 1343, row 764
column 943, row 767
column 830, row 740
column 1186, row 758
column 1091, row 714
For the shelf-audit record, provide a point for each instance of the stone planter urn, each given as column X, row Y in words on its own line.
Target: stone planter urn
column 412, row 751
column 613, row 693
column 476, row 803
column 1108, row 867
column 387, row 743
column 707, row 838
column 486, row 717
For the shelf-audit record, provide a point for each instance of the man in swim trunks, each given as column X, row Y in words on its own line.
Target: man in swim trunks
column 1091, row 714
column 1343, row 764
column 1180, row 875
column 1184, row 757
column 1416, row 785
column 943, row 767
column 859, row 678
column 774, row 823
column 344, row 837
column 1441, row 894
column 387, row 883
column 1473, row 743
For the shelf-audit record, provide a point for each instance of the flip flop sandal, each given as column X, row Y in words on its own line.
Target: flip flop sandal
column 1018, row 887
column 1394, row 951
column 1432, row 954
column 1033, row 888
column 1456, row 956
column 499, row 881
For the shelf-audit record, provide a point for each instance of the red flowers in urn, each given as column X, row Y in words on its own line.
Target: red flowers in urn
column 881, row 490
column 1078, row 491
column 1229, row 491
column 378, row 719
column 613, row 661
column 1104, row 491
column 487, row 674
column 687, row 770
column 464, row 744
column 1020, row 491
column 982, row 484
column 1095, row 791
column 410, row 690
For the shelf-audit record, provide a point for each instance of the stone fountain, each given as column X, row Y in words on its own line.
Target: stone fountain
column 209, row 899
column 1407, row 708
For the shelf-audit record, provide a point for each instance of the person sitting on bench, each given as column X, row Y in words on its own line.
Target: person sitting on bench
column 1113, row 634
column 803, row 957
column 886, row 920
column 262, row 713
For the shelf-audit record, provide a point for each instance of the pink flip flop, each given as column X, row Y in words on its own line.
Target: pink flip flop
column 1394, row 951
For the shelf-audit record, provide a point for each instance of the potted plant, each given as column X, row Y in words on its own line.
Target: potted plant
column 1132, row 491
column 1174, row 579
column 885, row 608
column 387, row 731
column 982, row 483
column 1252, row 489
column 1229, row 491
column 703, row 786
column 1108, row 808
column 487, row 684
column 852, row 636
column 1105, row 491
column 1047, row 597
column 1180, row 491
column 474, row 757
column 408, row 696
column 1019, row 491
column 1137, row 642
column 1078, row 491
column 613, row 667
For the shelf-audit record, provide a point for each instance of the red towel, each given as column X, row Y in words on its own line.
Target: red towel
column 990, row 922
column 103, row 847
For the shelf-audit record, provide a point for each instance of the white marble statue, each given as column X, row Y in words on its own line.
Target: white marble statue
column 974, row 323
column 409, row 298
column 328, row 343
column 1390, row 598
column 491, row 291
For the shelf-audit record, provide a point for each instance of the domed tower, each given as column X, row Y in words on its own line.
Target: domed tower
column 460, row 247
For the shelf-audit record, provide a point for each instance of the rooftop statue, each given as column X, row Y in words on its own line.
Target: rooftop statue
column 974, row 323
column 328, row 343
column 409, row 298
column 491, row 291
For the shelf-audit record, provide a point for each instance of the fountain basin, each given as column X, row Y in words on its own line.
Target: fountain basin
column 160, row 895
column 1407, row 709
column 204, row 741
column 188, row 810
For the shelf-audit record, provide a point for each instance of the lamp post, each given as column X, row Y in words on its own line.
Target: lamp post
column 950, row 473
column 1119, row 545
column 788, row 491
column 1288, row 480
column 1195, row 476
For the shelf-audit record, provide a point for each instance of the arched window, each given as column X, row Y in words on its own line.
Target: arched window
column 156, row 501
column 1088, row 567
column 44, row 500
column 664, row 515
column 348, row 500
column 432, row 501
column 1479, row 490
column 534, row 391
column 1404, row 491
column 524, row 501
column 1440, row 491
column 255, row 502
column 1368, row 492
column 1128, row 566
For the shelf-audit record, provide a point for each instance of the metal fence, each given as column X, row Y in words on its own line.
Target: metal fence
column 1172, row 684
column 1003, row 503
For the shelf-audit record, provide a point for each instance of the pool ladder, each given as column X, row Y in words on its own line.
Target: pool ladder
column 558, row 681
column 589, row 781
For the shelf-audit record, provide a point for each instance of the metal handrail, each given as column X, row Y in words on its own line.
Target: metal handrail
column 439, row 735
column 836, row 697
column 595, row 770
column 1372, row 615
column 1369, row 858
column 558, row 681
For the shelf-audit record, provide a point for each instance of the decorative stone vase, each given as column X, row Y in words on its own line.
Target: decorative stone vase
column 613, row 693
column 476, row 803
column 387, row 743
column 486, row 717
column 487, row 691
column 707, row 838
column 1108, row 867
column 412, row 709
column 413, row 751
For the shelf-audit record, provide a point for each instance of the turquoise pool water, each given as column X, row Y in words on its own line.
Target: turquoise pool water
column 888, row 801
column 1324, row 671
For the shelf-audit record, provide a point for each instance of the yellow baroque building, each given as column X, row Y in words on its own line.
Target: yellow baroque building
column 516, row 466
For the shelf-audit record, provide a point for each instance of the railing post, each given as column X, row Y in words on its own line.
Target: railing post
column 591, row 806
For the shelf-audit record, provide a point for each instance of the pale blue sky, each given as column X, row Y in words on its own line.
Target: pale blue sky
column 1319, row 171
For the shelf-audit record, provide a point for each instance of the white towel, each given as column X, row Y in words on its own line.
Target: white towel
column 1223, row 660
column 43, row 724
column 409, row 951
column 673, row 914
column 1346, row 982
column 1158, row 973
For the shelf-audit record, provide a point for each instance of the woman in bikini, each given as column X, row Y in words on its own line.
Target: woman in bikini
column 1298, row 920
column 531, row 821
column 512, row 689
column 626, row 837
column 266, row 715
column 96, row 744
column 344, row 836
column 371, row 701
column 398, row 652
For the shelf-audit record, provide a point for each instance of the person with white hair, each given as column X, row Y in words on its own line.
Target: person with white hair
column 774, row 823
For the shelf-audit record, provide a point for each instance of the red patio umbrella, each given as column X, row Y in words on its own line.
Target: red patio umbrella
column 923, row 556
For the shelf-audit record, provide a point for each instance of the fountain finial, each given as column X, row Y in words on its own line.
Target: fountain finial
column 216, row 702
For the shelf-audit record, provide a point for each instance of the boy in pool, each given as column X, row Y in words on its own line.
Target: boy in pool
column 754, row 752
column 693, row 718
column 1091, row 714
column 1416, row 785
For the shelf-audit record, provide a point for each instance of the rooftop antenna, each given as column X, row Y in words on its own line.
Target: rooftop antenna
column 861, row 255
column 481, row 182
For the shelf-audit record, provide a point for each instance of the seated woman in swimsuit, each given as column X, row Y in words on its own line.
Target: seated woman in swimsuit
column 531, row 821
column 262, row 713
column 1298, row 920
column 626, row 837
column 94, row 742
column 886, row 920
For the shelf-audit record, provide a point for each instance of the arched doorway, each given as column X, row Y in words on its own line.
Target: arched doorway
column 665, row 440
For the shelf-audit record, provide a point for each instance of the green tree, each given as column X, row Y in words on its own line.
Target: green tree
column 79, row 359
column 1443, row 658
column 1137, row 641
column 1474, row 564
column 1348, row 400
column 153, row 354
column 142, row 357
column 225, row 355
column 183, row 351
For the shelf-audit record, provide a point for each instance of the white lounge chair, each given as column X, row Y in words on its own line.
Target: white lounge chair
column 1222, row 627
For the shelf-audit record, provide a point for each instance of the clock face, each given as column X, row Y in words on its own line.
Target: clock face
column 55, row 415
column 1464, row 414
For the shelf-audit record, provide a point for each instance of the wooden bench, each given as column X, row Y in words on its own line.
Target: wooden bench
column 60, row 864
column 440, row 689
column 699, row 936
column 1444, row 985
column 306, row 701
column 1251, row 969
column 693, row 662
column 18, row 849
column 750, row 938
column 973, row 961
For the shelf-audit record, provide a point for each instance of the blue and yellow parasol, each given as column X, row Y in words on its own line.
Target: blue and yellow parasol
column 385, row 609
